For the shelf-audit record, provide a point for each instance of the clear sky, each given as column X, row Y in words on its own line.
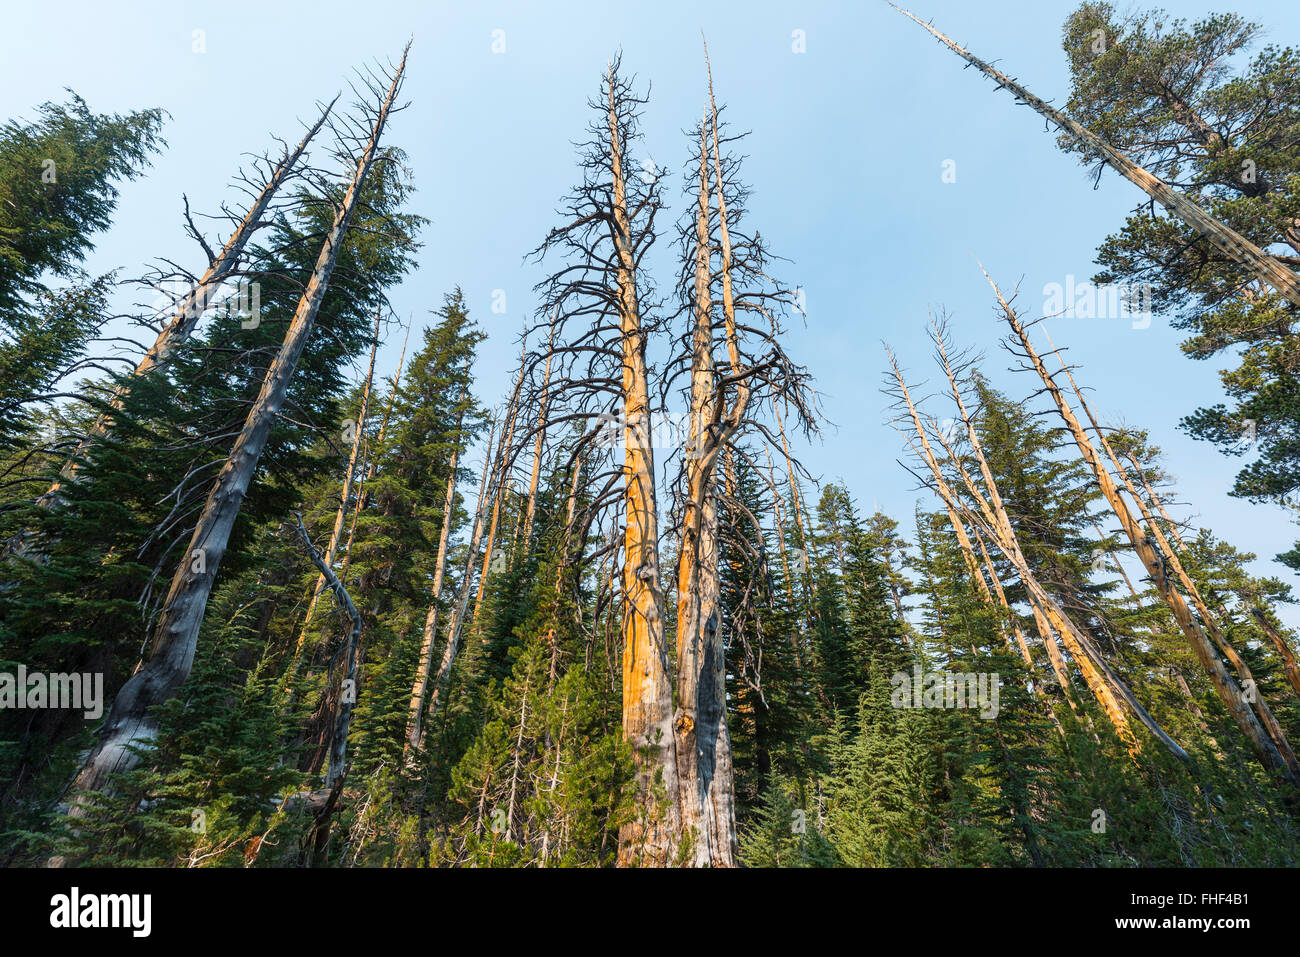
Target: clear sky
column 846, row 158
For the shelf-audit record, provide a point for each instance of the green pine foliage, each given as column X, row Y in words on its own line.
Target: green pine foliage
column 883, row 709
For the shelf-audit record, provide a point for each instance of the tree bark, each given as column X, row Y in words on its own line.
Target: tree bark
column 1156, row 565
column 345, row 493
column 1227, row 240
column 701, row 715
column 131, row 723
column 647, row 686
column 414, row 734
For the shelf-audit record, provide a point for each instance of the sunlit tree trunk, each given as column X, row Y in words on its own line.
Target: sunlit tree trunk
column 701, row 694
column 1165, row 553
column 1283, row 649
column 1155, row 564
column 647, row 684
column 1114, row 697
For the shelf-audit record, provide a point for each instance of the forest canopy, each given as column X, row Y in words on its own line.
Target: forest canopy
column 263, row 606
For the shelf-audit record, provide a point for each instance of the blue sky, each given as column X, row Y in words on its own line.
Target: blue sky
column 846, row 159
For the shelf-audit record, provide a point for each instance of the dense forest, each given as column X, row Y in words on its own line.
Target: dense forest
column 257, row 610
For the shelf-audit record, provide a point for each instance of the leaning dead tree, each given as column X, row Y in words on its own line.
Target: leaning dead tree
column 1172, row 541
column 345, row 493
column 1227, row 240
column 996, row 526
column 979, row 504
column 1283, row 649
column 978, row 566
column 1272, row 750
column 189, row 309
column 132, row 723
column 1210, row 620
column 725, row 401
column 348, row 699
column 599, row 380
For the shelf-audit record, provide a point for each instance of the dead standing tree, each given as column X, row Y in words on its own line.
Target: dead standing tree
column 600, row 375
column 348, row 699
column 724, row 401
column 131, row 722
column 363, row 490
column 424, row 663
column 498, row 482
column 456, row 622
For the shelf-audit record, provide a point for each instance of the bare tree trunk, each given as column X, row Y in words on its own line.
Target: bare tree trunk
column 1283, row 649
column 1289, row 665
column 701, row 710
column 457, row 621
column 131, row 722
column 414, row 734
column 1156, row 501
column 345, row 493
column 363, row 493
column 1132, row 590
column 348, row 698
column 1114, row 697
column 999, row 511
column 538, row 442
column 1156, row 565
column 499, row 470
column 1227, row 240
column 647, row 683
column 191, row 309
column 1170, row 556
column 1023, row 644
